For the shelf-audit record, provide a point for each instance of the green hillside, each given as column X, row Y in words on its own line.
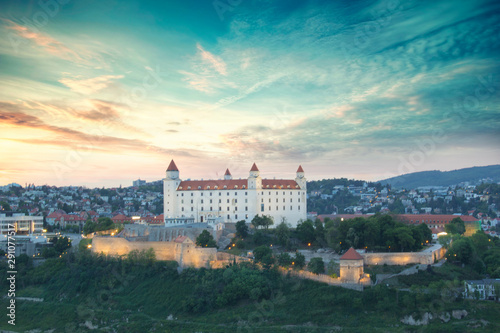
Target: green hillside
column 111, row 295
column 444, row 178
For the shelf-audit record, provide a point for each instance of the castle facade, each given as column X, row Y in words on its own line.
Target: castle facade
column 232, row 200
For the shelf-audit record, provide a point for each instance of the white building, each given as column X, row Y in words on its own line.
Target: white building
column 21, row 224
column 232, row 200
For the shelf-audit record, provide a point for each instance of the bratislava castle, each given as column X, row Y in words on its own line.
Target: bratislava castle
column 232, row 200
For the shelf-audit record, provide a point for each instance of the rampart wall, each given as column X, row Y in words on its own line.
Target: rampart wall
column 187, row 255
column 404, row 258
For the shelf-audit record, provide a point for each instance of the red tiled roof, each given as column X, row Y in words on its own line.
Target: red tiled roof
column 172, row 166
column 430, row 218
column 300, row 169
column 227, row 173
column 351, row 254
column 235, row 184
column 180, row 239
column 254, row 167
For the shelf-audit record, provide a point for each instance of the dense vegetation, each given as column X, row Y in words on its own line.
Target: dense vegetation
column 376, row 233
column 139, row 294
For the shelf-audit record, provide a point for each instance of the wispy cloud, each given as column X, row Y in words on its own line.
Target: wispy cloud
column 50, row 44
column 91, row 85
column 215, row 62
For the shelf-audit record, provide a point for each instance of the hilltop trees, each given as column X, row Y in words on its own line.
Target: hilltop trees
column 456, row 226
column 262, row 221
column 205, row 239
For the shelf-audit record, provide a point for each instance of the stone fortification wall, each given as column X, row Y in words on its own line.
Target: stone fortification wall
column 162, row 234
column 187, row 255
column 404, row 258
column 324, row 278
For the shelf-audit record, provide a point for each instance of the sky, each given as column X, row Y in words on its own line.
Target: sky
column 100, row 93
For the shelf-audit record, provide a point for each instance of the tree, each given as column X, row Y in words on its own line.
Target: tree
column 462, row 251
column 4, row 206
column 426, row 232
column 456, row 226
column 205, row 239
column 62, row 244
column 262, row 221
column 89, row 227
column 264, row 255
column 300, row 260
column 306, row 232
column 283, row 234
column 284, row 259
column 241, row 229
column 316, row 265
column 319, row 232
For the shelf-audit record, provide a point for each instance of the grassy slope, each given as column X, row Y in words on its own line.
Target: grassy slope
column 139, row 298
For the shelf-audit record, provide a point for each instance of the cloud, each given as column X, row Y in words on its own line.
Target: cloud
column 51, row 45
column 217, row 63
column 10, row 115
column 89, row 86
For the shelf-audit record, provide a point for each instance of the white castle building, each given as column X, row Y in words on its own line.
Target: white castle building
column 232, row 200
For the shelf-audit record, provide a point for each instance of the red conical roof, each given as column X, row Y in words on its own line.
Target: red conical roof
column 254, row 167
column 172, row 166
column 300, row 169
column 351, row 254
column 227, row 173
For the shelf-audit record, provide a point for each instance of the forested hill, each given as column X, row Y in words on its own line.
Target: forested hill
column 446, row 178
column 327, row 185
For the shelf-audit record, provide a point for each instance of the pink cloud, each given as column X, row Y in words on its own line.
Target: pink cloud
column 88, row 86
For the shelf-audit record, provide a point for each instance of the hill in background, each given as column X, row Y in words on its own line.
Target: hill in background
column 445, row 178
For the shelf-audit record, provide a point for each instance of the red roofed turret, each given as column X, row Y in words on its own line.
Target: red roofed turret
column 227, row 175
column 254, row 167
column 300, row 169
column 351, row 254
column 172, row 166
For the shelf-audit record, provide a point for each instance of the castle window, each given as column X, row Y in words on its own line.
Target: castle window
column 201, row 193
column 246, row 208
column 283, row 199
column 269, row 200
column 235, row 216
column 269, row 208
column 236, row 193
column 182, row 194
column 274, row 186
column 246, row 200
column 211, row 208
column 201, row 200
column 210, row 200
column 290, row 191
column 283, row 207
column 180, row 187
column 189, row 187
column 261, row 207
column 216, row 187
column 191, row 208
column 291, row 207
column 244, row 186
column 277, row 208
column 235, row 200
column 236, row 208
column 299, row 199
column 227, row 193
column 210, row 192
column 201, row 208
column 220, row 209
column 288, row 186
column 261, row 200
column 228, row 217
column 228, row 209
column 182, row 201
column 191, row 201
column 299, row 207
column 225, row 186
column 182, row 209
column 220, row 200
column 199, row 187
column 227, row 200
column 235, row 186
column 208, row 188
column 246, row 216
column 283, row 192
column 246, row 193
column 192, row 194
column 220, row 194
